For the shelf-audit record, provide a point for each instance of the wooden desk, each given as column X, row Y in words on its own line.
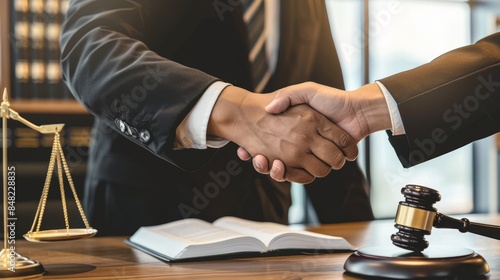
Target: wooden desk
column 110, row 258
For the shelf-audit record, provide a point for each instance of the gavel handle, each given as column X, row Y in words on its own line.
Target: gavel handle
column 464, row 225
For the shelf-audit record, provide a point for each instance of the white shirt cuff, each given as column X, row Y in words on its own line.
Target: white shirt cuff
column 192, row 131
column 397, row 123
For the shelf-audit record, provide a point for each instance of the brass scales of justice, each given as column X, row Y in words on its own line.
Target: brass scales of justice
column 13, row 264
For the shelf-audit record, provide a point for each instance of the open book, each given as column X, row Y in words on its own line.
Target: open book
column 191, row 239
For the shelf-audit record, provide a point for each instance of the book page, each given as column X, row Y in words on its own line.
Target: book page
column 193, row 231
column 264, row 231
column 193, row 237
column 277, row 236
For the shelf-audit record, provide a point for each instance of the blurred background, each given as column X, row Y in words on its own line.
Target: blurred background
column 374, row 38
column 378, row 38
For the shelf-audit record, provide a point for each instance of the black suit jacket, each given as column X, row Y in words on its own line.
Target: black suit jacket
column 448, row 102
column 140, row 66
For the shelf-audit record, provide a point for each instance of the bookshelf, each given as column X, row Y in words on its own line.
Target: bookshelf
column 37, row 92
column 4, row 46
column 48, row 106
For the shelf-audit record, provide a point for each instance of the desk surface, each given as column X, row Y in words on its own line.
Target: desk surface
column 110, row 258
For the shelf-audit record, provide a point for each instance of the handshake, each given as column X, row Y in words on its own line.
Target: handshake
column 300, row 132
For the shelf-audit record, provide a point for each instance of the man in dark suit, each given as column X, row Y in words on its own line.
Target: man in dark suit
column 432, row 109
column 146, row 69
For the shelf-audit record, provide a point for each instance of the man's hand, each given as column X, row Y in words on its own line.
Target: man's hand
column 305, row 142
column 359, row 113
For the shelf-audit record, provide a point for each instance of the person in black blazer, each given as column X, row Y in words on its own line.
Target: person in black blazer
column 142, row 66
column 432, row 109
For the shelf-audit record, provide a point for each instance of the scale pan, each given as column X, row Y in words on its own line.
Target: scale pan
column 60, row 234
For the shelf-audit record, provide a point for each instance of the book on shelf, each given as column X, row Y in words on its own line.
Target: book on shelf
column 35, row 50
column 52, row 34
column 20, row 48
column 37, row 47
column 194, row 239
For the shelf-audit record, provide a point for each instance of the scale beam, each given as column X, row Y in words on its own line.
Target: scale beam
column 7, row 112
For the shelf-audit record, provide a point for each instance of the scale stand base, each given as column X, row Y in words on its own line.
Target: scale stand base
column 435, row 262
column 14, row 265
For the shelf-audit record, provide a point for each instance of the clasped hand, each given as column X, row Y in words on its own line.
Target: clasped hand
column 301, row 142
column 356, row 113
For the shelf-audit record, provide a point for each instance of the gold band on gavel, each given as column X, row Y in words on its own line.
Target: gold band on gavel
column 415, row 217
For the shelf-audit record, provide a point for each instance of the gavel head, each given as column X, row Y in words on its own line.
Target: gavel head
column 415, row 217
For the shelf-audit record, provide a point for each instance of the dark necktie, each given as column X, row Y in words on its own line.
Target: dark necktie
column 254, row 18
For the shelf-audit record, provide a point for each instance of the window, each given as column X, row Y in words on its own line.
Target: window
column 401, row 35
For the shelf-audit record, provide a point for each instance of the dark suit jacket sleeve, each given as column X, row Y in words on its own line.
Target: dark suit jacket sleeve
column 449, row 102
column 111, row 70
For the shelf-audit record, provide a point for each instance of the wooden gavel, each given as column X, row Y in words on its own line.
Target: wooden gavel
column 416, row 216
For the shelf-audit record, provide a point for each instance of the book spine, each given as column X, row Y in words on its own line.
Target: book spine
column 52, row 34
column 63, row 6
column 38, row 61
column 20, row 48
